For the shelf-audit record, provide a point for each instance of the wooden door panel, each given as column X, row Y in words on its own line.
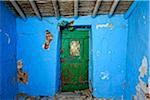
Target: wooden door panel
column 74, row 60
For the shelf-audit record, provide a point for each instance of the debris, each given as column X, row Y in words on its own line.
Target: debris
column 23, row 96
column 85, row 94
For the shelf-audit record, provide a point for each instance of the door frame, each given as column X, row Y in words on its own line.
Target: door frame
column 90, row 63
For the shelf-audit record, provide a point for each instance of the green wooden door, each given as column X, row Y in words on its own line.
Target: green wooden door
column 74, row 60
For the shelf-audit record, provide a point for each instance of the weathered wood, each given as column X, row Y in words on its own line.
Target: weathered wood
column 66, row 8
column 113, row 7
column 76, row 7
column 18, row 9
column 55, row 5
column 97, row 5
column 35, row 8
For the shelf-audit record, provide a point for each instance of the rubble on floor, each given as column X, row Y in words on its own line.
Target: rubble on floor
column 72, row 96
column 76, row 95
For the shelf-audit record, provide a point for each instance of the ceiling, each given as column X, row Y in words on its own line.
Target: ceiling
column 67, row 7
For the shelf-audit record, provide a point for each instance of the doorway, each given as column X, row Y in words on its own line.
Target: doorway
column 74, row 56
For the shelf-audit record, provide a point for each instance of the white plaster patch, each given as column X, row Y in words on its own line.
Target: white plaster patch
column 8, row 37
column 144, row 67
column 19, row 64
column 142, row 86
column 109, row 52
column 104, row 75
column 144, row 17
column 107, row 25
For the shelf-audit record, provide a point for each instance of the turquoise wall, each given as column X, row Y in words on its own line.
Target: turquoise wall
column 137, row 46
column 109, row 54
column 8, row 71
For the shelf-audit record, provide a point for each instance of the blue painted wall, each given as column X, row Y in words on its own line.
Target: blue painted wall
column 42, row 66
column 8, row 77
column 138, row 44
column 118, row 47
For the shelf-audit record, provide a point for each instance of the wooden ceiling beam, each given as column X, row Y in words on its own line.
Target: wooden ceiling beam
column 76, row 7
column 98, row 3
column 34, row 7
column 56, row 10
column 18, row 9
column 113, row 7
